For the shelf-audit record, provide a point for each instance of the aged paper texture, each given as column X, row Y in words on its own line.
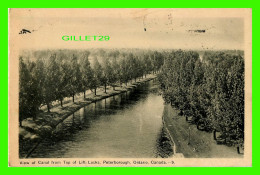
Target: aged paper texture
column 130, row 87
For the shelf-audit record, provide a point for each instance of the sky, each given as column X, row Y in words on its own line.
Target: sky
column 129, row 28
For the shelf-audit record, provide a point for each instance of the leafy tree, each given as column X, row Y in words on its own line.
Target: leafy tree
column 124, row 75
column 76, row 77
column 115, row 73
column 24, row 81
column 87, row 73
column 98, row 75
column 107, row 74
column 64, row 79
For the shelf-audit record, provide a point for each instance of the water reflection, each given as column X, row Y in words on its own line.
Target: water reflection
column 128, row 125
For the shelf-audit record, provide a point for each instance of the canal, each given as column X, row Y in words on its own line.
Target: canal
column 127, row 125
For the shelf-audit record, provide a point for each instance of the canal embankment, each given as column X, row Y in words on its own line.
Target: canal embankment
column 32, row 131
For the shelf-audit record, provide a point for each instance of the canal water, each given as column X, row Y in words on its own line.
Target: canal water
column 127, row 125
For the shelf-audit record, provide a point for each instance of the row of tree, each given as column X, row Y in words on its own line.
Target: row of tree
column 208, row 90
column 44, row 80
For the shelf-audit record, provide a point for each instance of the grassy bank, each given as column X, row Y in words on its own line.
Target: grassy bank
column 190, row 141
column 33, row 131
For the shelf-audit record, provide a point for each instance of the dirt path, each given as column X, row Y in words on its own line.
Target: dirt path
column 201, row 143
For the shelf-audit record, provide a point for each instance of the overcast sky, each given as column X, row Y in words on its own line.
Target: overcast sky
column 130, row 28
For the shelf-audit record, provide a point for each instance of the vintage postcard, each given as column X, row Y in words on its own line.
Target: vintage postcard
column 130, row 87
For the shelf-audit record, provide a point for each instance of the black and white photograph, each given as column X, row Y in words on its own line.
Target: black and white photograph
column 130, row 87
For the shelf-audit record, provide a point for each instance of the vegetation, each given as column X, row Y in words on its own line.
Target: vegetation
column 209, row 90
column 47, row 76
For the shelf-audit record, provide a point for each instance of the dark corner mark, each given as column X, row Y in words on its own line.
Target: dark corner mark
column 145, row 29
column 197, row 31
column 24, row 31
